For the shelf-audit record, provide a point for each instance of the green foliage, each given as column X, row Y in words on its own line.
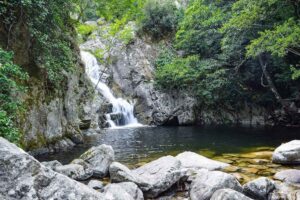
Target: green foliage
column 296, row 73
column 205, row 79
column 272, row 25
column 224, row 39
column 86, row 29
column 11, row 77
column 198, row 32
column 85, row 10
column 126, row 34
column 118, row 9
column 279, row 41
column 179, row 73
column 51, row 32
column 160, row 18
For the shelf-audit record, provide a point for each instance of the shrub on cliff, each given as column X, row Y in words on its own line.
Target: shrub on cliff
column 11, row 77
column 160, row 18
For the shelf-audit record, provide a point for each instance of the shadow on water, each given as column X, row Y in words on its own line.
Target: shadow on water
column 136, row 145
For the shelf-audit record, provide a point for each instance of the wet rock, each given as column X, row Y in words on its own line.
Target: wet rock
column 288, row 153
column 192, row 160
column 123, row 191
column 62, row 145
column 228, row 194
column 23, row 177
column 52, row 164
column 95, row 184
column 207, row 182
column 259, row 188
column 85, row 124
column 290, row 176
column 75, row 171
column 258, row 155
column 231, row 168
column 242, row 178
column 99, row 158
column 250, row 170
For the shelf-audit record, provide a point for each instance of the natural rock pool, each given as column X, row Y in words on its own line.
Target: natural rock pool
column 248, row 150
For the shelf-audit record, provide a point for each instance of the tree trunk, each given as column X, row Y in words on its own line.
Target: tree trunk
column 263, row 64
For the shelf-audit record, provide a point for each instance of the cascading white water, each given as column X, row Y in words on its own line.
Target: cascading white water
column 120, row 106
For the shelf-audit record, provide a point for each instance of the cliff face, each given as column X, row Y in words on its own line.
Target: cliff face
column 131, row 75
column 53, row 115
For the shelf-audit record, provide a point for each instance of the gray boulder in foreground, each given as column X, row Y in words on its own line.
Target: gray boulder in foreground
column 23, row 177
column 207, row 182
column 153, row 178
column 99, row 158
column 259, row 188
column 228, row 194
column 195, row 161
column 120, row 173
column 74, row 171
column 288, row 153
column 123, row 191
column 289, row 176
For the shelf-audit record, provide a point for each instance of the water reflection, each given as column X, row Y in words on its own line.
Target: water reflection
column 146, row 143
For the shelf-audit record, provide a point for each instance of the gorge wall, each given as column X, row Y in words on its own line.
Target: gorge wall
column 53, row 115
column 131, row 71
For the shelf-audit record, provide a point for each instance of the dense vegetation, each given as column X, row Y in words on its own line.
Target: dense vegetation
column 11, row 78
column 234, row 53
column 227, row 53
column 46, row 50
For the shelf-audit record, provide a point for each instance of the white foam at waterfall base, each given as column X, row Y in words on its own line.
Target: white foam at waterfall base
column 120, row 105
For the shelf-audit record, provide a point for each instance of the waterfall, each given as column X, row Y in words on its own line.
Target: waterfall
column 120, row 107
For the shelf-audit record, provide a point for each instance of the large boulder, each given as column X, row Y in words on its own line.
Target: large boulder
column 289, row 176
column 259, row 188
column 123, row 191
column 153, row 178
column 161, row 174
column 195, row 161
column 288, row 153
column 120, row 173
column 207, row 182
column 228, row 194
column 23, row 177
column 75, row 171
column 99, row 158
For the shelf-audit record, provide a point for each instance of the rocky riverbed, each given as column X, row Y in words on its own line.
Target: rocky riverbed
column 96, row 175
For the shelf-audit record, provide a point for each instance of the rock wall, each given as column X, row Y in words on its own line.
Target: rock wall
column 53, row 115
column 52, row 122
column 131, row 75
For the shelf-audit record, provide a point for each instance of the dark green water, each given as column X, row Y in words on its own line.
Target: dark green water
column 137, row 145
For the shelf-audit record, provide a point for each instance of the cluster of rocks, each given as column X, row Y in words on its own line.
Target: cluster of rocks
column 194, row 176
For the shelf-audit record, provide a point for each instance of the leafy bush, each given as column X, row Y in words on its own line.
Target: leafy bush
column 51, row 31
column 204, row 79
column 177, row 74
column 11, row 77
column 160, row 18
column 86, row 29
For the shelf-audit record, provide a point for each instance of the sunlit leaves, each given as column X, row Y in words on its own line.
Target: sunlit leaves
column 11, row 78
